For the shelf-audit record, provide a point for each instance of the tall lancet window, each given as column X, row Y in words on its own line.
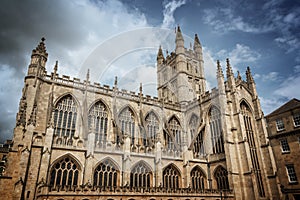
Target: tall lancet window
column 127, row 123
column 216, row 130
column 98, row 121
column 65, row 114
column 64, row 172
column 171, row 177
column 152, row 126
column 175, row 128
column 140, row 176
column 248, row 121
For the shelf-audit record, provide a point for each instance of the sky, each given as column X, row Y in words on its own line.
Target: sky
column 121, row 37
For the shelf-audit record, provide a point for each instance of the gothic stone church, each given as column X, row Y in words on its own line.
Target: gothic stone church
column 78, row 140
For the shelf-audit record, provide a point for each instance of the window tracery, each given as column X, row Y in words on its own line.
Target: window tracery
column 247, row 116
column 127, row 123
column 152, row 126
column 175, row 129
column 106, row 174
column 64, row 173
column 65, row 114
column 216, row 130
column 221, row 176
column 197, row 179
column 171, row 178
column 98, row 122
column 140, row 176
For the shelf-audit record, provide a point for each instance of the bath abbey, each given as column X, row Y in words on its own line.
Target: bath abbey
column 77, row 140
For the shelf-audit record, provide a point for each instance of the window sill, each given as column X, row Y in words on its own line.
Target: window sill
column 285, row 152
column 293, row 183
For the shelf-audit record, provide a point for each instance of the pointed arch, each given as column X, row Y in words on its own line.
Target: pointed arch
column 98, row 122
column 111, row 160
column 216, row 130
column 171, row 177
column 141, row 175
column 106, row 173
column 65, row 116
column 221, row 178
column 66, row 94
column 65, row 171
column 152, row 126
column 245, row 104
column 198, row 178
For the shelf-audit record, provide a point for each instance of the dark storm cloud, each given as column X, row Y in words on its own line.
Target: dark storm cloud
column 71, row 28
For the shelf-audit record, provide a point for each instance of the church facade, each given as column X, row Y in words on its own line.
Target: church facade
column 78, row 140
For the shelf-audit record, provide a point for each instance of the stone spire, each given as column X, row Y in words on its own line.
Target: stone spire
column 88, row 76
column 160, row 56
column 220, row 79
column 197, row 45
column 179, row 41
column 249, row 76
column 219, row 70
column 39, row 58
column 230, row 76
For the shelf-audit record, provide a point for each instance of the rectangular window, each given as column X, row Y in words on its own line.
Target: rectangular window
column 279, row 124
column 297, row 119
column 291, row 173
column 284, row 145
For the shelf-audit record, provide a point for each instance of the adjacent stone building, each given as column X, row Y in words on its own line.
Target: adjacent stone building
column 284, row 136
column 78, row 140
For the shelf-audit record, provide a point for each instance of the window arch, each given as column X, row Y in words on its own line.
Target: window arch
column 106, row 174
column 175, row 129
column 171, row 177
column 247, row 116
column 221, row 176
column 216, row 130
column 127, row 122
column 64, row 172
column 152, row 126
column 140, row 176
column 197, row 178
column 98, row 121
column 65, row 114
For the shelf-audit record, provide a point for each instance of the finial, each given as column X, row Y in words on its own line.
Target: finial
column 249, row 75
column 43, row 39
column 178, row 28
column 88, row 75
column 218, row 64
column 141, row 88
column 228, row 69
column 197, row 39
column 55, row 67
column 239, row 75
column 116, row 80
column 219, row 69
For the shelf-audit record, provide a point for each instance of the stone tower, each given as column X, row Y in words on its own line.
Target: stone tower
column 181, row 74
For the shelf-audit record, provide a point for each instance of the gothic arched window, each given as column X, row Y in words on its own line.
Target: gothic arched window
column 65, row 114
column 198, row 148
column 216, row 130
column 106, row 174
column 97, row 122
column 247, row 116
column 175, row 129
column 221, row 176
column 127, row 123
column 152, row 126
column 171, row 177
column 197, row 178
column 64, row 172
column 140, row 176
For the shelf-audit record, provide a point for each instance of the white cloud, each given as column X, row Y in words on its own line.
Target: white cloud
column 272, row 76
column 297, row 68
column 289, row 88
column 224, row 20
column 168, row 12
